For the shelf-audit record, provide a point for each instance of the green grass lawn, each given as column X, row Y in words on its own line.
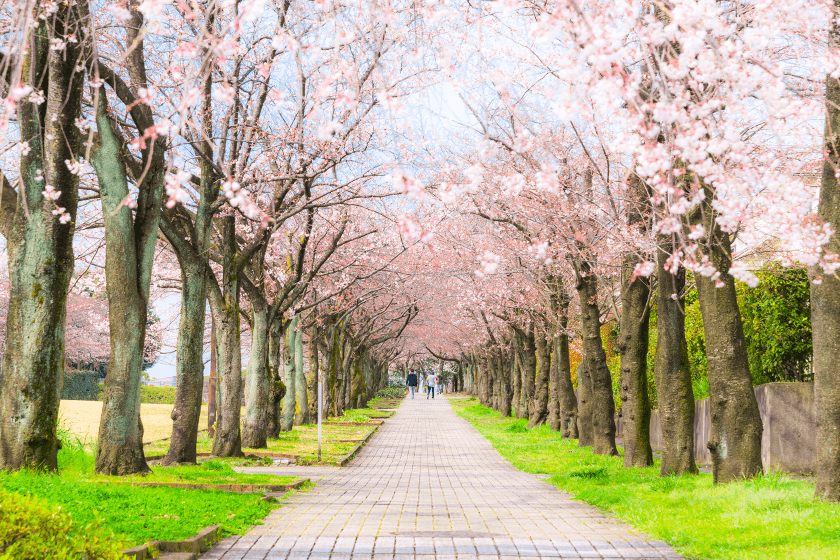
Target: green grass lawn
column 768, row 517
column 132, row 515
column 380, row 402
column 118, row 514
column 337, row 440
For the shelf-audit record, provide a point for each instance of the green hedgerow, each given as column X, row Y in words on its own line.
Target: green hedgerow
column 31, row 529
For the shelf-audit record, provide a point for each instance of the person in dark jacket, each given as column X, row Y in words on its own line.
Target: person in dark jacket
column 411, row 381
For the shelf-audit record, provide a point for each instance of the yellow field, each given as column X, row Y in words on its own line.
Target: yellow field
column 82, row 417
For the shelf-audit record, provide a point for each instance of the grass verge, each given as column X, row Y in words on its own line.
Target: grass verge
column 130, row 515
column 338, row 437
column 768, row 517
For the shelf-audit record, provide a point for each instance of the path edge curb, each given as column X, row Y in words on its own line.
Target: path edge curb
column 349, row 457
column 201, row 542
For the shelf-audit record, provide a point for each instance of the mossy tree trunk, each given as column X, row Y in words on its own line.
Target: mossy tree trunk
column 735, row 439
column 602, row 406
column 825, row 299
column 633, row 349
column 40, row 246
column 567, row 400
column 258, row 384
column 301, row 400
column 289, row 362
column 224, row 303
column 189, row 237
column 130, row 243
column 634, row 327
column 672, row 373
column 516, row 377
column 278, row 387
column 584, row 398
column 312, row 378
column 539, row 405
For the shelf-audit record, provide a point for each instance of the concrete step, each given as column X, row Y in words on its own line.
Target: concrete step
column 178, row 556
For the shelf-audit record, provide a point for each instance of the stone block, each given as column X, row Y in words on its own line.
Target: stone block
column 788, row 442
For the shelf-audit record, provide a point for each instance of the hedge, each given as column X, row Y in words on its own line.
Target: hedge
column 31, row 529
column 80, row 386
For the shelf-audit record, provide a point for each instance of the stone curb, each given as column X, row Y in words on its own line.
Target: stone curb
column 349, row 457
column 195, row 545
column 238, row 488
column 255, row 453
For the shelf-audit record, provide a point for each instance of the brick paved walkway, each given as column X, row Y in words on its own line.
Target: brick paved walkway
column 428, row 485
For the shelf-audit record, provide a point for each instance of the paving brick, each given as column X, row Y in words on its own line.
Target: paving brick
column 428, row 485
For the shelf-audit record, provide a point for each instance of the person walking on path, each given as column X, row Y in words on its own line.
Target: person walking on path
column 430, row 384
column 411, row 381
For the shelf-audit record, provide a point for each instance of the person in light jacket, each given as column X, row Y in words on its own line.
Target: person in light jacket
column 430, row 385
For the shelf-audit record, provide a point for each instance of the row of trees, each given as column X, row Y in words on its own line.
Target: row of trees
column 231, row 152
column 606, row 149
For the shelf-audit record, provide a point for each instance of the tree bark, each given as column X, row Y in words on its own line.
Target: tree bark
column 258, row 383
column 289, row 359
column 301, row 401
column 584, row 420
column 312, row 378
column 539, row 405
column 516, row 376
column 191, row 242
column 566, row 401
column 130, row 243
column 40, row 250
column 225, row 307
column 735, row 439
column 672, row 373
column 506, row 384
column 633, row 348
column 825, row 299
column 602, row 404
column 529, row 367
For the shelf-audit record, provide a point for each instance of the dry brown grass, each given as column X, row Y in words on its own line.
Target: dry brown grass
column 82, row 417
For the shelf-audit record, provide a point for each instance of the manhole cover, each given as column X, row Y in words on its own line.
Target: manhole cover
column 450, row 534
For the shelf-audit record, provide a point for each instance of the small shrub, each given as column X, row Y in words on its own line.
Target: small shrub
column 157, row 395
column 518, row 428
column 32, row 530
column 150, row 394
column 391, row 393
column 354, row 416
column 588, row 472
column 80, row 386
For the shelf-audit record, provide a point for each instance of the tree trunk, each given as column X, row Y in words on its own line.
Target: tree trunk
column 529, row 367
column 584, row 420
column 506, row 385
column 278, row 388
column 825, row 301
column 516, row 376
column 289, row 359
column 191, row 247
column 602, row 403
column 735, row 439
column 301, row 401
column 225, row 307
column 258, row 383
column 40, row 251
column 312, row 379
column 539, row 405
column 130, row 247
column 567, row 401
column 673, row 375
column 633, row 348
